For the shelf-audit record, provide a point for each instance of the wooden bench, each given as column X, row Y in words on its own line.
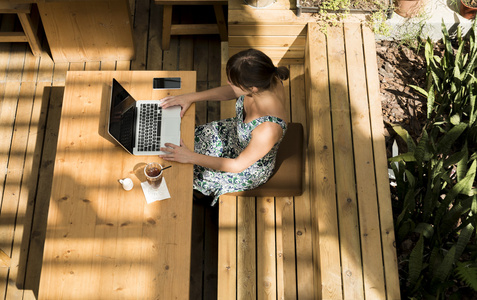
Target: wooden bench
column 336, row 241
column 287, row 178
column 29, row 26
column 169, row 29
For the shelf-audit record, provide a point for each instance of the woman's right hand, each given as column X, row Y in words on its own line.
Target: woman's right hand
column 182, row 100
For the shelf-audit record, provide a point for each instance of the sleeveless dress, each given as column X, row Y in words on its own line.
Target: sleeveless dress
column 228, row 138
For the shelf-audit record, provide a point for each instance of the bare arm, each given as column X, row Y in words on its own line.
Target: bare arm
column 264, row 137
column 221, row 93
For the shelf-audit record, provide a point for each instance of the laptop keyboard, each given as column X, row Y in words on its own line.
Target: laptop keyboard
column 150, row 116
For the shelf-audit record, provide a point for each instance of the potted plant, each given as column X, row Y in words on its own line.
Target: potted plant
column 409, row 8
column 468, row 8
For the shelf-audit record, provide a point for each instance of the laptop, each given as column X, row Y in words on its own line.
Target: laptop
column 142, row 127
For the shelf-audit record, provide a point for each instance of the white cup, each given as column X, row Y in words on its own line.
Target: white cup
column 127, row 183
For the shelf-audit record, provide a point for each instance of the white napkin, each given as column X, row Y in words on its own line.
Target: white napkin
column 153, row 195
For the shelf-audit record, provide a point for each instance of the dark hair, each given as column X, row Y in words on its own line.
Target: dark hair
column 253, row 68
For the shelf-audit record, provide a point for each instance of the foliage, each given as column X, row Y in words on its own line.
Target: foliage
column 436, row 178
column 470, row 3
column 332, row 12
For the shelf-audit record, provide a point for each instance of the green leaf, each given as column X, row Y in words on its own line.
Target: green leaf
column 456, row 158
column 443, row 271
column 419, row 90
column 420, row 151
column 416, row 261
column 467, row 272
column 472, row 100
column 405, row 136
column 430, row 101
column 425, row 229
column 473, row 207
column 410, row 178
column 407, row 157
column 462, row 187
column 450, row 137
column 455, row 119
column 464, row 238
column 462, row 164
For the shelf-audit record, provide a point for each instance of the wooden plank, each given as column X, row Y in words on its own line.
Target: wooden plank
column 303, row 232
column 267, row 16
column 92, row 66
column 59, row 74
column 193, row 29
column 267, row 29
column 13, row 37
column 166, row 26
column 53, row 98
column 227, row 248
column 221, row 21
column 345, row 180
column 7, row 119
column 213, row 78
column 13, row 213
column 13, row 8
column 30, row 179
column 109, row 65
column 31, row 34
column 154, row 59
column 186, row 43
column 123, row 65
column 277, row 5
column 276, row 52
column 211, row 252
column 35, row 254
column 190, row 2
column 171, row 56
column 34, row 249
column 227, row 108
column 380, row 156
column 186, row 53
column 76, row 66
column 76, row 31
column 246, row 251
column 16, row 62
column 266, row 248
column 201, row 50
column 30, row 68
column 267, row 41
column 364, row 166
column 197, row 255
column 140, row 32
column 4, row 59
column 45, row 70
column 285, row 253
column 326, row 260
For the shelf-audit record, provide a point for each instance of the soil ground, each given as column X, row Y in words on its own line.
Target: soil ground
column 399, row 67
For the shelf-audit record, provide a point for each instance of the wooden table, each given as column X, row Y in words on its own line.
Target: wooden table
column 103, row 242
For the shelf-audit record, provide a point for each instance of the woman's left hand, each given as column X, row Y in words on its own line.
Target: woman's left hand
column 176, row 153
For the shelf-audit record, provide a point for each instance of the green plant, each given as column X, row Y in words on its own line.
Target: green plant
column 470, row 3
column 436, row 178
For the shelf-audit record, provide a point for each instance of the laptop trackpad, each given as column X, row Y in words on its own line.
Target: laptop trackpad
column 171, row 126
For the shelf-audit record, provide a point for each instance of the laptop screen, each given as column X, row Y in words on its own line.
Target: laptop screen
column 122, row 116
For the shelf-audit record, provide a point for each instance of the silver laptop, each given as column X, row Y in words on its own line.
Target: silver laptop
column 142, row 127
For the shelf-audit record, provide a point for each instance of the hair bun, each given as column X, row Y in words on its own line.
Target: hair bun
column 282, row 72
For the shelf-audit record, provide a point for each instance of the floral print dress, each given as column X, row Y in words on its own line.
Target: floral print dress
column 228, row 138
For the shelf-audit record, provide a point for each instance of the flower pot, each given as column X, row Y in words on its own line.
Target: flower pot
column 466, row 11
column 409, row 8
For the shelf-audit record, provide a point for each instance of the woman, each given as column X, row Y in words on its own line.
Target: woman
column 239, row 153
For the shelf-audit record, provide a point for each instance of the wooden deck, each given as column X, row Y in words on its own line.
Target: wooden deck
column 335, row 241
column 31, row 90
